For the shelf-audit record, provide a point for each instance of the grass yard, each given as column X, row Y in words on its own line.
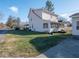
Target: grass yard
column 28, row 44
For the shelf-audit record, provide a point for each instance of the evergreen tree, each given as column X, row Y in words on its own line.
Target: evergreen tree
column 49, row 5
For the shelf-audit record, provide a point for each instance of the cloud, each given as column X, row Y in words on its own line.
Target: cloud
column 14, row 9
column 66, row 15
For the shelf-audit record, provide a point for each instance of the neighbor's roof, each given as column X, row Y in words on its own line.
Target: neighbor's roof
column 76, row 14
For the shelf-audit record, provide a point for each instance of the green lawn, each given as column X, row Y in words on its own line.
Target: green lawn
column 28, row 44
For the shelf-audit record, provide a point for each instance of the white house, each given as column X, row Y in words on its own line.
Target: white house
column 41, row 20
column 75, row 24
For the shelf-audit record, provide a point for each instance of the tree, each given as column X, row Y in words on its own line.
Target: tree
column 11, row 22
column 1, row 15
column 49, row 6
column 18, row 21
column 8, row 23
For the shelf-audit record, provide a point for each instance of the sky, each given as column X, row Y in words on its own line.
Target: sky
column 20, row 8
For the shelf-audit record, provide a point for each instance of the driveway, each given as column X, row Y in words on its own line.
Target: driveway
column 2, row 33
column 68, row 48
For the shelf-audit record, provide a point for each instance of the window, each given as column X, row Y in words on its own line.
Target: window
column 77, row 25
column 53, row 25
column 32, row 26
column 31, row 19
column 45, row 25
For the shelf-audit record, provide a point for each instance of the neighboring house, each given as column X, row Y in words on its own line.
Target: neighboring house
column 68, row 24
column 75, row 24
column 3, row 27
column 41, row 20
column 23, row 25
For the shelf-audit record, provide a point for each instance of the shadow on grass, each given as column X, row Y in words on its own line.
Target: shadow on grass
column 42, row 44
column 23, row 32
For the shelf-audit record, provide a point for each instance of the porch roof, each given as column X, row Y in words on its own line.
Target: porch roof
column 75, row 15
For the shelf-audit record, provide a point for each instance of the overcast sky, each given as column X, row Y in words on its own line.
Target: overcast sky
column 20, row 8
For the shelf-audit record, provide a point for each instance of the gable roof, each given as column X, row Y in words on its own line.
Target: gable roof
column 43, row 10
column 36, row 14
column 46, row 11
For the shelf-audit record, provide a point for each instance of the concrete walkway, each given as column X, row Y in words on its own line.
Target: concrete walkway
column 68, row 48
